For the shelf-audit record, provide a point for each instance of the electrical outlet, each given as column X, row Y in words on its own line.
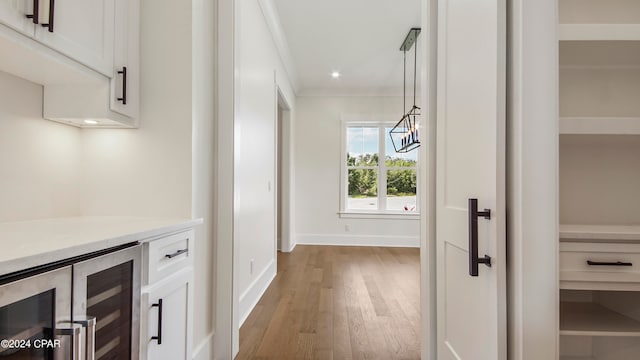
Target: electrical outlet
column 347, row 228
column 251, row 266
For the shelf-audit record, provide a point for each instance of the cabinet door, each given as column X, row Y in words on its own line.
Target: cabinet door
column 169, row 319
column 13, row 13
column 82, row 30
column 125, row 85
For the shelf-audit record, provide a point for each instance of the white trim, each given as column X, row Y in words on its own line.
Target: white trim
column 378, row 215
column 427, row 181
column 532, row 179
column 250, row 298
column 204, row 350
column 226, row 311
column 358, row 240
column 292, row 247
column 272, row 19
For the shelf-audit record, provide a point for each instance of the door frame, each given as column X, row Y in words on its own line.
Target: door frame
column 286, row 197
column 532, row 231
column 427, row 181
column 532, row 180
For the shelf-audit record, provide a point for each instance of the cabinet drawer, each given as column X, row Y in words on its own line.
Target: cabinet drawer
column 599, row 262
column 167, row 255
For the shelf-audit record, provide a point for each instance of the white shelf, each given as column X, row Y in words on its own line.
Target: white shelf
column 600, row 232
column 590, row 319
column 600, row 125
column 582, row 32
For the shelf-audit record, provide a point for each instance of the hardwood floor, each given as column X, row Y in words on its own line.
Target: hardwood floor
column 330, row 302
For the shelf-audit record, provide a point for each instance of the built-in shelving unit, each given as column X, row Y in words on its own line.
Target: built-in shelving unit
column 600, row 232
column 591, row 319
column 599, row 88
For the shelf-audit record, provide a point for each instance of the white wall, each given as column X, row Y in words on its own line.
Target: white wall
column 596, row 197
column 39, row 159
column 147, row 172
column 258, row 70
column 317, row 146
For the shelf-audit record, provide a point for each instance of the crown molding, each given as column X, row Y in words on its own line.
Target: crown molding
column 272, row 18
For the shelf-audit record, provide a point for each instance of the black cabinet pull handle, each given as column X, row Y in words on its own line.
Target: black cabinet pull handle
column 474, row 260
column 49, row 25
column 158, row 338
column 36, row 12
column 123, row 72
column 608, row 263
column 179, row 252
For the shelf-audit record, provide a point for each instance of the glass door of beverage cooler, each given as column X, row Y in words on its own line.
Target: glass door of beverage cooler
column 35, row 317
column 106, row 301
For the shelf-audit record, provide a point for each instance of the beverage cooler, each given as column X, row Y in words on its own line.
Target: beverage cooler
column 81, row 308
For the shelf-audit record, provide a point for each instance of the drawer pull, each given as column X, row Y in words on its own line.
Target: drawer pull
column 610, row 263
column 179, row 252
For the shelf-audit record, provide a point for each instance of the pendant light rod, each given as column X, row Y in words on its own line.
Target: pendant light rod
column 405, row 134
column 410, row 39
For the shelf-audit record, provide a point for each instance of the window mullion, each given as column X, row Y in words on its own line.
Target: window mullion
column 382, row 172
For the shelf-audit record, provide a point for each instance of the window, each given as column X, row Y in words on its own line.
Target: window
column 376, row 179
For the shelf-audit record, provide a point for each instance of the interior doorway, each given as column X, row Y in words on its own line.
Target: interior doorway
column 283, row 173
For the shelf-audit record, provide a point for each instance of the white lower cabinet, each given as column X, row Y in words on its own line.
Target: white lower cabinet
column 167, row 298
column 169, row 318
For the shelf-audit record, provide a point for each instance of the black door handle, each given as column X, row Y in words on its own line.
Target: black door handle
column 474, row 260
column 49, row 25
column 36, row 12
column 123, row 72
column 158, row 337
column 610, row 263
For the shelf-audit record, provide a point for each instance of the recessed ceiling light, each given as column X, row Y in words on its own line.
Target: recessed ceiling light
column 335, row 74
column 91, row 122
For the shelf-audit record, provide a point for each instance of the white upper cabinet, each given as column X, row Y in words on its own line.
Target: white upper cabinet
column 125, row 86
column 80, row 29
column 19, row 15
column 84, row 52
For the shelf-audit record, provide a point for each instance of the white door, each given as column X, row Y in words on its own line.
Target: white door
column 82, row 30
column 15, row 13
column 471, row 165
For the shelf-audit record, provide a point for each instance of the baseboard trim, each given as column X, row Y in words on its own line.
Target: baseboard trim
column 358, row 240
column 204, row 351
column 291, row 247
column 249, row 299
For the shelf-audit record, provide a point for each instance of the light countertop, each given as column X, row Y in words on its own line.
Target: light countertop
column 26, row 244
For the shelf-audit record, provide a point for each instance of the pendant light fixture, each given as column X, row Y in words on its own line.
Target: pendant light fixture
column 404, row 135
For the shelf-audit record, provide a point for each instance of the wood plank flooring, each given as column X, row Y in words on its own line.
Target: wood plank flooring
column 335, row 302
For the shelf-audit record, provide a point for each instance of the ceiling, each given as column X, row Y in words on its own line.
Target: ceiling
column 358, row 38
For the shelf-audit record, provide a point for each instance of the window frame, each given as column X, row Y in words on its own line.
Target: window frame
column 381, row 168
